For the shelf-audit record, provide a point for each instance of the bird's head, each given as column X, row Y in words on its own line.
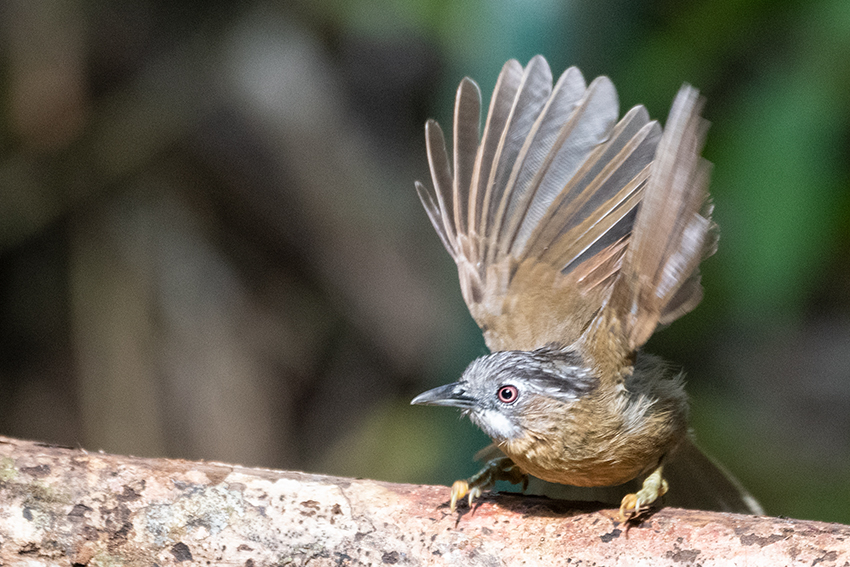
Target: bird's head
column 507, row 393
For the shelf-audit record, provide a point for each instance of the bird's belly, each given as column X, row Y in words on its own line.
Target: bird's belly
column 590, row 472
column 607, row 464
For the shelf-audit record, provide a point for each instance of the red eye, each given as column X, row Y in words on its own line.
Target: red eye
column 508, row 394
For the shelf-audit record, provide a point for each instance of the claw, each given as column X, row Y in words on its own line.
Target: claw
column 653, row 488
column 473, row 494
column 501, row 468
column 630, row 507
column 460, row 488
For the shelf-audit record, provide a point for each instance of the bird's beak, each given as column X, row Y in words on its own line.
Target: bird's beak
column 453, row 395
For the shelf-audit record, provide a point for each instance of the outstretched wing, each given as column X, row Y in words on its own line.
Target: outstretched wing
column 659, row 278
column 539, row 209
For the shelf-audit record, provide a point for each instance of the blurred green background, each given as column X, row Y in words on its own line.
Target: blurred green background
column 211, row 248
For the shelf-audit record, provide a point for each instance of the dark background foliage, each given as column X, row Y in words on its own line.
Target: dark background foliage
column 210, row 245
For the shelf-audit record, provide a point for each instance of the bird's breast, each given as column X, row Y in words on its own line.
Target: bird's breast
column 595, row 450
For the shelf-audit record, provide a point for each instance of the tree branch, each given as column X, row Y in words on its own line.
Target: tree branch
column 61, row 506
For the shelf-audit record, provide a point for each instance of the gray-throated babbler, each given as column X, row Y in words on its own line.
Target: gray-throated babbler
column 576, row 234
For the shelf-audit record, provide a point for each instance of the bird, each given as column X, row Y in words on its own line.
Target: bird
column 576, row 234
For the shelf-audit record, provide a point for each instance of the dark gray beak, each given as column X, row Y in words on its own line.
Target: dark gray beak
column 452, row 395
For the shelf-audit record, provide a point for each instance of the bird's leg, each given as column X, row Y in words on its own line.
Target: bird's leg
column 501, row 468
column 653, row 488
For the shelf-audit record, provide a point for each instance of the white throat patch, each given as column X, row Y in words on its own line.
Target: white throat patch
column 495, row 424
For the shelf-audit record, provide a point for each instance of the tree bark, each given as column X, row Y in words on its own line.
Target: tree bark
column 61, row 506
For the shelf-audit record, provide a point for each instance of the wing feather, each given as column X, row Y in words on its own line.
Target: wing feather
column 435, row 215
column 588, row 126
column 673, row 231
column 604, row 181
column 530, row 99
column 539, row 151
column 441, row 174
column 562, row 219
column 501, row 104
column 466, row 131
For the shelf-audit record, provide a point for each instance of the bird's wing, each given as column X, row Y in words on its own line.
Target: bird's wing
column 658, row 280
column 538, row 210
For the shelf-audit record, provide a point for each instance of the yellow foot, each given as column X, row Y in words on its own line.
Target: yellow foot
column 653, row 488
column 501, row 468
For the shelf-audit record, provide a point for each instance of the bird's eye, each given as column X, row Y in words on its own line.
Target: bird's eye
column 508, row 394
